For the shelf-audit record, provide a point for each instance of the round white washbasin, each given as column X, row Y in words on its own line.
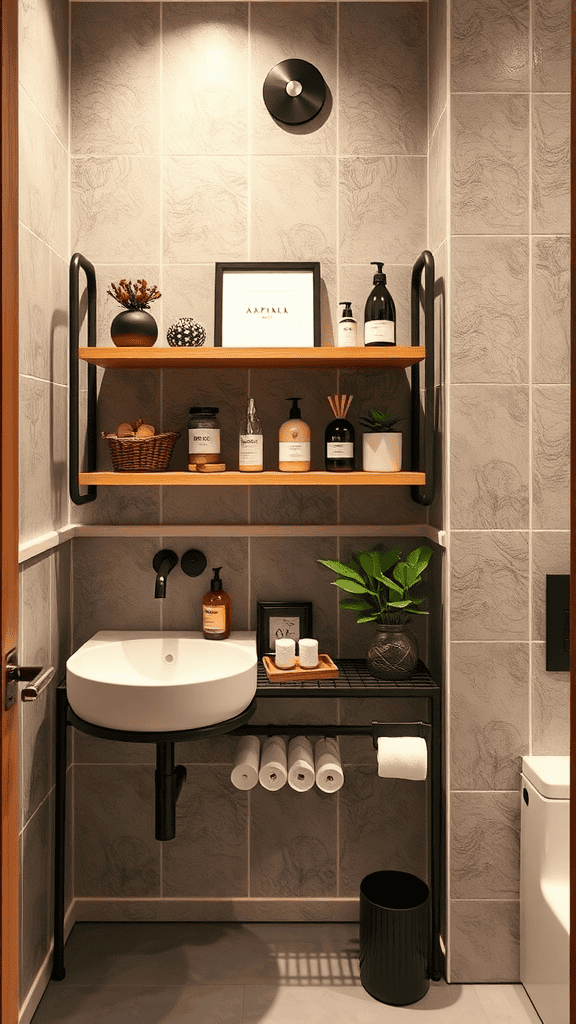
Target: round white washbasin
column 145, row 681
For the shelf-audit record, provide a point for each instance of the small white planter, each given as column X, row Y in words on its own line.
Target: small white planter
column 382, row 453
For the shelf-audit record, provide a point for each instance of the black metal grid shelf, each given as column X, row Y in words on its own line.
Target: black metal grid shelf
column 354, row 680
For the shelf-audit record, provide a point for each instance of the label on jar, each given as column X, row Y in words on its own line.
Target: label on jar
column 251, row 449
column 339, row 450
column 203, row 440
column 294, row 451
column 379, row 332
column 214, row 618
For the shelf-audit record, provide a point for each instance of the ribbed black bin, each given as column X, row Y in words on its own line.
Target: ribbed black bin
column 394, row 936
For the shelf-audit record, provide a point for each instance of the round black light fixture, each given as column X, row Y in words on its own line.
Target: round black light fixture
column 294, row 91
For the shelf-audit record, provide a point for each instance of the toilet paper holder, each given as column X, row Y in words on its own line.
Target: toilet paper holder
column 423, row 729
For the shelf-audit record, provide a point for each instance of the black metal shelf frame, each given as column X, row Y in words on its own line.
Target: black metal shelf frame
column 77, row 263
column 425, row 262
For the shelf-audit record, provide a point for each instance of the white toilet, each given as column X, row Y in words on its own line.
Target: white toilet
column 545, row 885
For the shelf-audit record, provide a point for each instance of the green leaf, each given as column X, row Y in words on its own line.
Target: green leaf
column 398, row 604
column 370, row 562
column 351, row 586
column 405, row 575
column 355, row 606
column 342, row 568
column 390, row 583
column 388, row 558
column 419, row 558
column 366, row 618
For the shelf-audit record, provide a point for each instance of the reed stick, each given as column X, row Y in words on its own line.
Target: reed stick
column 340, row 404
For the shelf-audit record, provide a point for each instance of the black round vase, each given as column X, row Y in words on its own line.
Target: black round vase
column 393, row 652
column 134, row 328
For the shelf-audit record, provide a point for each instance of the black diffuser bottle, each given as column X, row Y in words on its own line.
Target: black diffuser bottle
column 339, row 438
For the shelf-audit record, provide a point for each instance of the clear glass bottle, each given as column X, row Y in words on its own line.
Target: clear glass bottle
column 251, row 442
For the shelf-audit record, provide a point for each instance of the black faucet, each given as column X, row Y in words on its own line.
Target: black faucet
column 163, row 563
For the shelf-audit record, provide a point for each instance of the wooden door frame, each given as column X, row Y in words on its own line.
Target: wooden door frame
column 573, row 504
column 9, row 752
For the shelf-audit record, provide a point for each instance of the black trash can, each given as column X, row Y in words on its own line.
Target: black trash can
column 394, row 937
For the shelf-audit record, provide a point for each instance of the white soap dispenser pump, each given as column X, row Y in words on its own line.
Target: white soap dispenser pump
column 347, row 327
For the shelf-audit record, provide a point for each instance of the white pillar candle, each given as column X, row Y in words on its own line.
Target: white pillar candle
column 285, row 653
column 308, row 652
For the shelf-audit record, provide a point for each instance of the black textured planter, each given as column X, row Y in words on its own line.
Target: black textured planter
column 134, row 328
column 394, row 937
column 393, row 652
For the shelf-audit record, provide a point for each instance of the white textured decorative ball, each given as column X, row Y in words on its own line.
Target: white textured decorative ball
column 186, row 332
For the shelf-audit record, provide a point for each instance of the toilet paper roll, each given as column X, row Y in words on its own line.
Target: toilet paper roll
column 329, row 774
column 244, row 774
column 301, row 774
column 273, row 770
column 402, row 757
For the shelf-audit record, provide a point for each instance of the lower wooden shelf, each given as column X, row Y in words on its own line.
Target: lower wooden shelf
column 236, row 479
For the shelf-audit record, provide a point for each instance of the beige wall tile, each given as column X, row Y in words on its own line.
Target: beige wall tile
column 550, row 706
column 489, row 46
column 204, row 209
column 491, row 479
column 489, row 164
column 489, row 714
column 37, row 844
column 551, row 46
column 550, row 310
column 115, row 69
column 437, row 56
column 551, row 457
column 293, row 208
column 116, row 208
column 550, row 164
column 384, row 110
column 438, row 184
column 489, row 585
column 485, row 845
column 490, row 311
column 35, row 461
column 182, row 608
column 550, row 555
column 43, row 178
column 43, row 61
column 485, row 941
column 363, row 183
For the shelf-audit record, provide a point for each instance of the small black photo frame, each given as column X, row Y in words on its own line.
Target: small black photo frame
column 277, row 619
column 267, row 305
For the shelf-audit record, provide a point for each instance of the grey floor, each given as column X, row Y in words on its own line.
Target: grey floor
column 181, row 973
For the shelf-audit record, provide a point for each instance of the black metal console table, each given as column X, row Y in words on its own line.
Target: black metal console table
column 354, row 681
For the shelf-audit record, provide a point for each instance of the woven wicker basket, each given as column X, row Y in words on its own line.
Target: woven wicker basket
column 141, row 454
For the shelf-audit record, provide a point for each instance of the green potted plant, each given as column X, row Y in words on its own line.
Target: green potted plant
column 134, row 327
column 380, row 585
column 381, row 443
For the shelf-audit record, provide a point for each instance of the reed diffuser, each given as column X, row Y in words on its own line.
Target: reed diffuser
column 339, row 437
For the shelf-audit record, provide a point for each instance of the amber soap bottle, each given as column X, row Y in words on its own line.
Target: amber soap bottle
column 216, row 610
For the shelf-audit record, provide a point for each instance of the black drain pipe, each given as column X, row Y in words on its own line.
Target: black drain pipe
column 168, row 780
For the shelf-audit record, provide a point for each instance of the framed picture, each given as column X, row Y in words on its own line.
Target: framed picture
column 267, row 305
column 277, row 619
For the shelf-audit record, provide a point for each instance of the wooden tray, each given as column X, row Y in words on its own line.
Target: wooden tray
column 325, row 669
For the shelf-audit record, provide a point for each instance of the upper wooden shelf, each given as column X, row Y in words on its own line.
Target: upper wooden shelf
column 209, row 358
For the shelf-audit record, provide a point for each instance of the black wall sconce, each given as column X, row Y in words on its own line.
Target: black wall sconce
column 294, row 91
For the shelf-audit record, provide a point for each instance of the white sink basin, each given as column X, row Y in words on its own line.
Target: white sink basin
column 145, row 681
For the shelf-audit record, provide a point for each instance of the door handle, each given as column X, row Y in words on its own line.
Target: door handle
column 35, row 677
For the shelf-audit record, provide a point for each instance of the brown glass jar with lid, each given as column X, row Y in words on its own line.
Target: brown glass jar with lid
column 203, row 436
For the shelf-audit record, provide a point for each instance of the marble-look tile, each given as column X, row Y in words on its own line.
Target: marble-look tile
column 95, row 750
column 215, row 750
column 485, row 845
column 107, row 307
column 490, row 310
column 489, row 584
column 43, row 61
column 551, row 164
column 187, row 1004
column 485, row 941
column 43, row 178
column 287, row 569
column 550, row 555
column 299, row 505
column 382, row 826
column 278, row 32
column 36, row 881
column 114, row 585
column 357, row 282
column 290, row 710
column 492, row 484
column 182, row 608
column 383, row 110
column 209, row 855
column 438, row 184
column 551, row 311
column 205, row 78
column 119, row 506
column 293, row 208
column 395, row 185
column 551, row 457
column 115, row 854
column 489, row 164
column 205, row 207
column 309, row 911
column 202, row 504
column 489, row 46
column 188, row 291
column 489, row 714
column 506, row 1004
column 116, row 208
column 376, row 505
column 34, row 449
column 115, row 79
column 293, row 845
column 551, row 46
column 550, row 706
column 440, row 313
column 43, row 310
column 61, row 608
column 111, row 910
column 437, row 59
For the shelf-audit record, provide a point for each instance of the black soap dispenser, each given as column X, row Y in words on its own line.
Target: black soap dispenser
column 379, row 313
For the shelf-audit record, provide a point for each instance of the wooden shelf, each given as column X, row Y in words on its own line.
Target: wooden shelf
column 262, row 358
column 236, row 479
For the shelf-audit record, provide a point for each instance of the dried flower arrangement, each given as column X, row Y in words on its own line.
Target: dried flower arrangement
column 138, row 296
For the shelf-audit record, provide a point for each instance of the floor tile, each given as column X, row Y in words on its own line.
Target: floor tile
column 507, row 1004
column 184, row 1005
